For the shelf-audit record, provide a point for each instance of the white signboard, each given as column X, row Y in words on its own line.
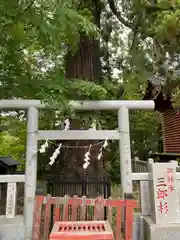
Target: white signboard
column 11, row 200
column 163, row 193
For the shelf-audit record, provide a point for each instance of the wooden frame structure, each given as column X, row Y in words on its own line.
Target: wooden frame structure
column 33, row 135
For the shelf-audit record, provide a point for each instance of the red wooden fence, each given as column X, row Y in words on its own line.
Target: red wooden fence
column 73, row 209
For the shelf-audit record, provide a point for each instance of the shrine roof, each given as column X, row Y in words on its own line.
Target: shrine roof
column 8, row 161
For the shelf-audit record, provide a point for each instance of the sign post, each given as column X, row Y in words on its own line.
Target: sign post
column 164, row 192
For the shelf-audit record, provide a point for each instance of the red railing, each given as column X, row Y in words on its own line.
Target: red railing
column 73, row 209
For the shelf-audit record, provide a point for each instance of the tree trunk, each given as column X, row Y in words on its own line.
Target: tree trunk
column 85, row 62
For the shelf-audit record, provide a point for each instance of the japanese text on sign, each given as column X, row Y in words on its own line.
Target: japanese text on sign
column 170, row 179
column 162, row 194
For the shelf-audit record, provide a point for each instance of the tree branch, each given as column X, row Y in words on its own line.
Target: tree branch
column 118, row 15
column 155, row 8
column 144, row 32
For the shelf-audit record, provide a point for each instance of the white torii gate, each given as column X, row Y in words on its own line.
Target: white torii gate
column 33, row 135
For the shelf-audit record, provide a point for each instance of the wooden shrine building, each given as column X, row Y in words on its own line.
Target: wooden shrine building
column 170, row 122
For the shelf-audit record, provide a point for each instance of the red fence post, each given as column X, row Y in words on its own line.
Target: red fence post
column 37, row 217
column 130, row 205
column 47, row 217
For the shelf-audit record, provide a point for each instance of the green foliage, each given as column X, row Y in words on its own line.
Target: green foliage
column 33, row 36
column 83, row 90
column 13, row 138
column 12, row 146
column 176, row 98
column 167, row 29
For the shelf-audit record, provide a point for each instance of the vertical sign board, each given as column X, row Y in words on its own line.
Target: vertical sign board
column 11, row 200
column 144, row 198
column 163, row 193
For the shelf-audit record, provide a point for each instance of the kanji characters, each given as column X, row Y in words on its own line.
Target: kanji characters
column 162, row 194
column 163, row 207
column 170, row 179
